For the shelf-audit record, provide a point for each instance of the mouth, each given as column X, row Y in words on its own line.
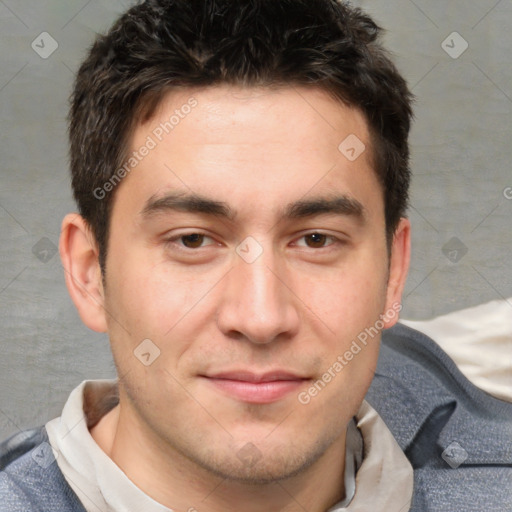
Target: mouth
column 256, row 388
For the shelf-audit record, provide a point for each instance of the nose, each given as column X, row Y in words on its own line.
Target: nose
column 257, row 304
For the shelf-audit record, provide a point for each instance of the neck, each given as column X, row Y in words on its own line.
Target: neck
column 180, row 484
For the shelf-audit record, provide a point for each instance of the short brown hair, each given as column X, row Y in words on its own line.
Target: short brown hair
column 161, row 44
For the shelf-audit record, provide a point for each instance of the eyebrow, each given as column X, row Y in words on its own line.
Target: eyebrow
column 339, row 205
column 191, row 203
column 194, row 203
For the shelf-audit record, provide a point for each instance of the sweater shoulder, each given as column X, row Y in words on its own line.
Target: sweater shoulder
column 30, row 479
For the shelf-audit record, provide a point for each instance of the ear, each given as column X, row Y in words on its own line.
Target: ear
column 79, row 255
column 398, row 269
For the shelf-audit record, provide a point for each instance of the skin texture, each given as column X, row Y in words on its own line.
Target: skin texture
column 177, row 434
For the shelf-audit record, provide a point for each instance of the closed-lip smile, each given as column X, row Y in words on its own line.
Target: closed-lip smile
column 256, row 387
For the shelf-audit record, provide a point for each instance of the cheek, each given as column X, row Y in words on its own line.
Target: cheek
column 351, row 299
column 154, row 297
column 341, row 387
column 147, row 306
column 158, row 303
column 348, row 310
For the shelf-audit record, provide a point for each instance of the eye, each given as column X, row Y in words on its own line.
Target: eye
column 316, row 240
column 190, row 241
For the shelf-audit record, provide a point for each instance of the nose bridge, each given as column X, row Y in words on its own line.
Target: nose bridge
column 261, row 285
column 257, row 304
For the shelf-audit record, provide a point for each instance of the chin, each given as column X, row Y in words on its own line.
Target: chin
column 250, row 465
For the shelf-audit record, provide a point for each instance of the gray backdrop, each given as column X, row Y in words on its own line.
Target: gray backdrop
column 456, row 57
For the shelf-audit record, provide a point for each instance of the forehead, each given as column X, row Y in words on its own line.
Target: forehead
column 218, row 111
column 228, row 140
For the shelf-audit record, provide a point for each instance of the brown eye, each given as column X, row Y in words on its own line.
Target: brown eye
column 315, row 240
column 193, row 241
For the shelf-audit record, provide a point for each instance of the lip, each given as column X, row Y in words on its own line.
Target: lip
column 257, row 388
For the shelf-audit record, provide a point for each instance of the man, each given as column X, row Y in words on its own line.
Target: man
column 241, row 172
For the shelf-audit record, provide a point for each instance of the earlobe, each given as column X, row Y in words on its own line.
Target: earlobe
column 398, row 269
column 79, row 255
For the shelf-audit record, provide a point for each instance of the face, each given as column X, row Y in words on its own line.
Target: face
column 249, row 252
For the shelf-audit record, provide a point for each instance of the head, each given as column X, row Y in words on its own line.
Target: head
column 241, row 172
